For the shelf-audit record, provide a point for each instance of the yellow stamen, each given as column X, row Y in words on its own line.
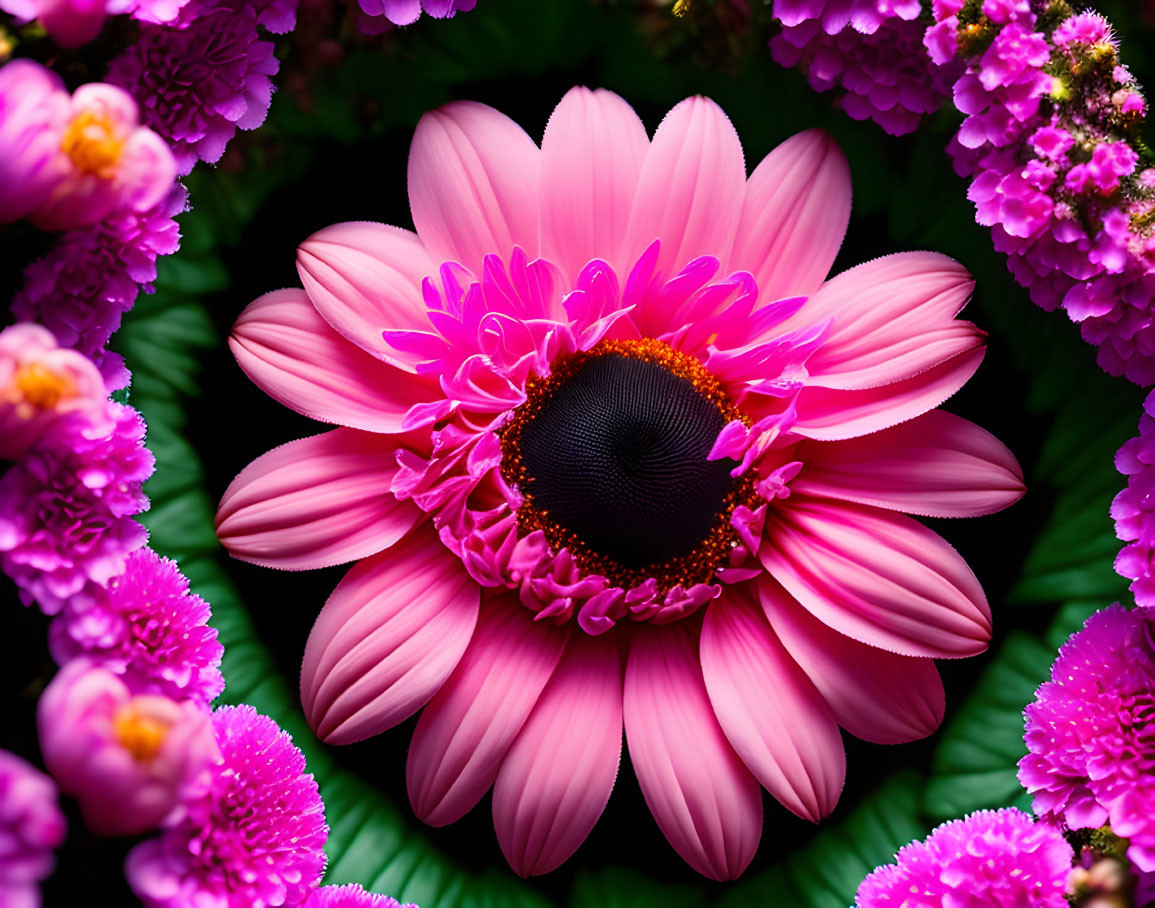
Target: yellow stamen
column 141, row 735
column 93, row 142
column 681, row 8
column 39, row 386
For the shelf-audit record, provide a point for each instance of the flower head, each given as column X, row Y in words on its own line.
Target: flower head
column 31, row 827
column 254, row 839
column 71, row 23
column 203, row 78
column 39, row 383
column 66, row 509
column 349, row 896
column 405, row 12
column 146, row 626
column 69, row 162
column 992, row 858
column 1091, row 732
column 611, row 373
column 129, row 759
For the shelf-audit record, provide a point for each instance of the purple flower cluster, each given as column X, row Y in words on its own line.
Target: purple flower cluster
column 1133, row 509
column 1049, row 141
column 145, row 626
column 1000, row 859
column 405, row 12
column 1091, row 732
column 66, row 507
column 869, row 50
column 206, row 75
column 92, row 276
column 350, row 896
column 253, row 839
column 31, row 827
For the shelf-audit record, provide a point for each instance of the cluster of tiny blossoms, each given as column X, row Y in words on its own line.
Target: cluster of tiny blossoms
column 868, row 51
column 1050, row 142
column 126, row 727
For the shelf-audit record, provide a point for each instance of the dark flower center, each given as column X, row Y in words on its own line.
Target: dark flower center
column 610, row 453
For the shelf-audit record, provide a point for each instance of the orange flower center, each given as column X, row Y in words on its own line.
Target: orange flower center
column 93, row 142
column 39, row 386
column 141, row 735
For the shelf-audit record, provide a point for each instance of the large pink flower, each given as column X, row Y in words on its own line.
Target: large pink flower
column 611, row 451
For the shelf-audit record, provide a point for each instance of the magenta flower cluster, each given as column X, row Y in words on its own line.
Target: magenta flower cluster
column 1050, row 144
column 1134, row 508
column 406, row 12
column 1091, row 732
column 996, row 859
column 31, row 828
column 870, row 52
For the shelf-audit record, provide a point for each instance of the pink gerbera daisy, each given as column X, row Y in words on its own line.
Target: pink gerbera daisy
column 611, row 453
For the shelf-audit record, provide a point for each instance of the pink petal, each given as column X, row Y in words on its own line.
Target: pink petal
column 831, row 414
column 879, row 577
column 773, row 716
column 591, row 158
column 365, row 278
column 394, row 629
column 473, row 184
column 875, row 695
column 937, row 464
column 293, row 355
column 465, row 731
column 316, row 502
column 689, row 193
column 705, row 801
column 794, row 216
column 557, row 777
column 891, row 319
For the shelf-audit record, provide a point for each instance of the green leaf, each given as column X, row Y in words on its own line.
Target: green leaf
column 618, row 887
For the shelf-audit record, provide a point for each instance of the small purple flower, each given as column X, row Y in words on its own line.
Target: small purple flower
column 146, row 626
column 206, row 76
column 405, row 12
column 92, row 276
column 129, row 759
column 1091, row 732
column 254, row 839
column 71, row 23
column 66, row 509
column 31, row 827
column 994, row 859
column 349, row 896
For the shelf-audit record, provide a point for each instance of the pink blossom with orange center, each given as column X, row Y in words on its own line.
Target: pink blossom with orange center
column 128, row 759
column 70, row 161
column 614, row 453
column 39, row 382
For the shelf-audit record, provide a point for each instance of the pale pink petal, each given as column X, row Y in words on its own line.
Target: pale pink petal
column 875, row 695
column 706, row 802
column 473, row 184
column 365, row 278
column 936, row 465
column 394, row 629
column 316, row 502
column 879, row 577
column 689, row 193
column 890, row 319
column 557, row 777
column 773, row 716
column 293, row 355
column 465, row 731
column 591, row 158
column 831, row 414
column 794, row 216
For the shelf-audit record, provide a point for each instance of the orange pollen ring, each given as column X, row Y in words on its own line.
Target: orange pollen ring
column 695, row 566
column 94, row 143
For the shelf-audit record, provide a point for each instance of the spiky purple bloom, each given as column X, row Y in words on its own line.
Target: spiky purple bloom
column 869, row 50
column 991, row 858
column 66, row 509
column 405, row 12
column 91, row 277
column 146, row 626
column 1091, row 732
column 255, row 839
column 349, row 896
column 204, row 77
column 31, row 827
column 1133, row 509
